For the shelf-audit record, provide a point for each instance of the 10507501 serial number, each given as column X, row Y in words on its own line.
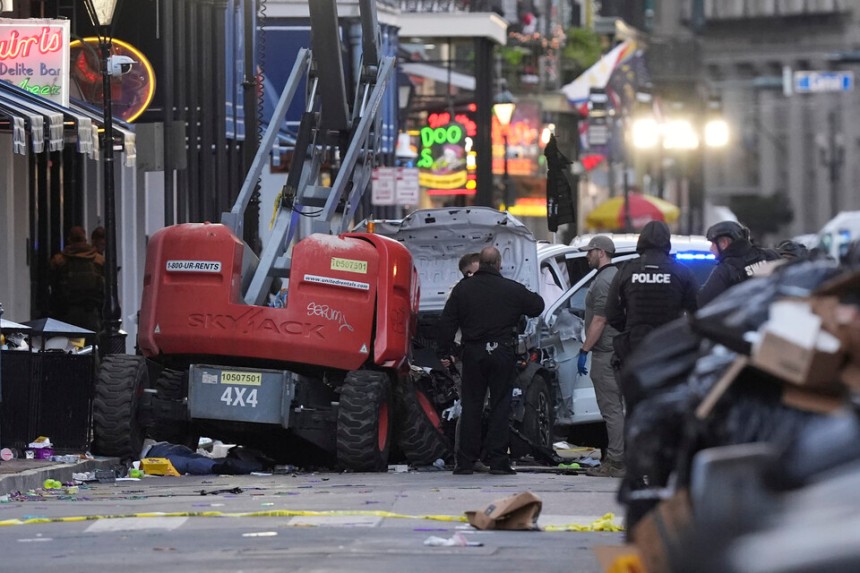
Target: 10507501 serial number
column 243, row 378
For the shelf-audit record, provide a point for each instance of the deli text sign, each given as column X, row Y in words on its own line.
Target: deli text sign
column 34, row 55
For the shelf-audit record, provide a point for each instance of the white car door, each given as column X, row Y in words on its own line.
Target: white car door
column 562, row 335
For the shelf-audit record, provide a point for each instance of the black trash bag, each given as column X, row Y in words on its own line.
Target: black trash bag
column 661, row 432
column 752, row 410
column 243, row 461
column 825, row 443
column 666, row 357
column 745, row 306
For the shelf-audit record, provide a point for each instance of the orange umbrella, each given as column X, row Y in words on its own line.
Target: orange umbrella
column 643, row 208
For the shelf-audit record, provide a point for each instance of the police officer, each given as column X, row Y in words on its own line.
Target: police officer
column 737, row 259
column 487, row 308
column 598, row 342
column 649, row 291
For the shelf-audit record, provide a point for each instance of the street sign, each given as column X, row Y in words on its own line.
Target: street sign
column 383, row 188
column 408, row 191
column 819, row 82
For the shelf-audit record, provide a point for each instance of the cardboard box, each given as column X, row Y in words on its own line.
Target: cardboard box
column 811, row 400
column 663, row 533
column 796, row 364
column 519, row 511
column 794, row 347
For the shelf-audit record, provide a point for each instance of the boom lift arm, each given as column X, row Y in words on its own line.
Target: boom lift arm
column 328, row 129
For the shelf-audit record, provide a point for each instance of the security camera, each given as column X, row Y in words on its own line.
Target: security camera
column 119, row 65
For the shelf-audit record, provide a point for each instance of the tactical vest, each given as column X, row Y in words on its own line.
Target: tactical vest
column 653, row 294
column 746, row 265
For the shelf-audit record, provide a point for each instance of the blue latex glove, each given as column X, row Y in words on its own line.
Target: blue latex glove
column 580, row 363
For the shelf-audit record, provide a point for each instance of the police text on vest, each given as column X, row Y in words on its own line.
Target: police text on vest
column 652, row 278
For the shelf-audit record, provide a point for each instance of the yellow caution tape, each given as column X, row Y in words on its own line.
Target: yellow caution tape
column 275, row 208
column 605, row 523
column 602, row 524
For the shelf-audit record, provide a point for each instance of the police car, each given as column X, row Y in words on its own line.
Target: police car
column 559, row 332
column 549, row 395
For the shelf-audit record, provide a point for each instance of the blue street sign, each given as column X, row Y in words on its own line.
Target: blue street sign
column 818, row 82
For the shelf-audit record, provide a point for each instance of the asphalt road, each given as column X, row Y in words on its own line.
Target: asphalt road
column 202, row 523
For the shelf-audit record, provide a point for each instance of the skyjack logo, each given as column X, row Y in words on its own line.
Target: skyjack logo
column 251, row 321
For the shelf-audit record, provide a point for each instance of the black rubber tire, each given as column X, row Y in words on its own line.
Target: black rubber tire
column 364, row 422
column 173, row 385
column 420, row 435
column 538, row 419
column 117, row 430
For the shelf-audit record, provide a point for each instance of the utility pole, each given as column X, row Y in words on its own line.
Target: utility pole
column 833, row 157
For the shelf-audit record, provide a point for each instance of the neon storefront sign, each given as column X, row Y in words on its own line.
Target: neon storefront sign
column 444, row 159
column 34, row 55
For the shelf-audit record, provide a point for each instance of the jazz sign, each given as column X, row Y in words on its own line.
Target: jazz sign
column 34, row 55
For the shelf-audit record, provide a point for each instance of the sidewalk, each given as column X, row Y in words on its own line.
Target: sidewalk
column 23, row 475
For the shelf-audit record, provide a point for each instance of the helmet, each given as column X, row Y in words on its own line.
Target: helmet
column 730, row 229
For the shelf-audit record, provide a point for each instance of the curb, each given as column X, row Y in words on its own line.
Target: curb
column 34, row 478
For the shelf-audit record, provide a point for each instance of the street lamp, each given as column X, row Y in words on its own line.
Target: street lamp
column 504, row 111
column 101, row 13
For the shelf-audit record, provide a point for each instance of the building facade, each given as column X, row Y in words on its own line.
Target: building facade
column 790, row 140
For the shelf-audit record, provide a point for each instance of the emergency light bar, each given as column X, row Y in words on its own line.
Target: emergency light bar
column 691, row 256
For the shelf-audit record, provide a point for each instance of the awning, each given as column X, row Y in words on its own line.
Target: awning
column 52, row 118
column 441, row 75
column 121, row 128
column 25, row 109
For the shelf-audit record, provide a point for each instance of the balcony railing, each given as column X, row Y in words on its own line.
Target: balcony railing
column 450, row 5
column 737, row 9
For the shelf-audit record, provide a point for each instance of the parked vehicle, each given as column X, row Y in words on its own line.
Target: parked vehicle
column 549, row 396
column 302, row 352
column 835, row 236
column 560, row 329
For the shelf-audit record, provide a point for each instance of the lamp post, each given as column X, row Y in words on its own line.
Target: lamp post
column 101, row 13
column 683, row 136
column 504, row 111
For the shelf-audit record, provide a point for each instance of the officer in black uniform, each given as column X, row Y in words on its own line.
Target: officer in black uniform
column 649, row 291
column 487, row 309
column 737, row 259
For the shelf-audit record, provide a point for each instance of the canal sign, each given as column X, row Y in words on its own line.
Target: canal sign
column 819, row 82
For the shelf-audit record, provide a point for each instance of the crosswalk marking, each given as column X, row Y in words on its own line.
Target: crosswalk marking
column 135, row 524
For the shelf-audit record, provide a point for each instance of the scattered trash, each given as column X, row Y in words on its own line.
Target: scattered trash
column 7, row 454
column 235, row 490
column 398, row 468
column 158, row 467
column 456, row 540
column 439, row 463
column 84, row 476
column 516, row 512
column 67, row 459
column 261, row 534
column 570, row 466
column 105, row 476
column 52, row 484
column 42, row 448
